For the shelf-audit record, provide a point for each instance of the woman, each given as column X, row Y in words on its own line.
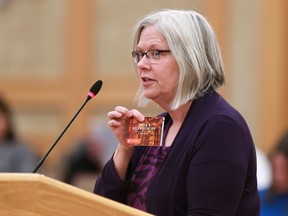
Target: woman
column 208, row 164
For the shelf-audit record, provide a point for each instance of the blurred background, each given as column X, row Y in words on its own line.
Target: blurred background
column 52, row 51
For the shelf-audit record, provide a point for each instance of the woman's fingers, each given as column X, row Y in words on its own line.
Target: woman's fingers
column 120, row 112
column 114, row 114
column 135, row 113
column 121, row 115
column 114, row 123
column 123, row 110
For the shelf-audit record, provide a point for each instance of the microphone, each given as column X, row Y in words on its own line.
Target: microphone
column 92, row 93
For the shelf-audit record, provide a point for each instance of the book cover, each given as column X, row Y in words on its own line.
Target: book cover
column 146, row 133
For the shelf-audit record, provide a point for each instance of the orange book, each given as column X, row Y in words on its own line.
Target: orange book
column 146, row 133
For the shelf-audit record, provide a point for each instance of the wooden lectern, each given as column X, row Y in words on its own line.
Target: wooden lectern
column 35, row 194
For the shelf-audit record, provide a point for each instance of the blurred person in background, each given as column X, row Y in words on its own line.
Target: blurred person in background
column 274, row 200
column 15, row 156
column 85, row 158
column 84, row 162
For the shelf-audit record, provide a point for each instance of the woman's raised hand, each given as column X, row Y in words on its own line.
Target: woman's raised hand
column 119, row 120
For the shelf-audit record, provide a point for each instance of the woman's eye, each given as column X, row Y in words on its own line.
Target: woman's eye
column 156, row 53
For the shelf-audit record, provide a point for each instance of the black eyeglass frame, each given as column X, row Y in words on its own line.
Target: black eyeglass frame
column 136, row 58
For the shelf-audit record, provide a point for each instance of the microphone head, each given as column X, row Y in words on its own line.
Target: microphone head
column 94, row 89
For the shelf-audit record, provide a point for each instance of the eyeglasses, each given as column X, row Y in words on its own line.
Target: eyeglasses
column 153, row 56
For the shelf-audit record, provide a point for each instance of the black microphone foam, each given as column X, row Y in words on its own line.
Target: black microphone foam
column 94, row 89
column 92, row 93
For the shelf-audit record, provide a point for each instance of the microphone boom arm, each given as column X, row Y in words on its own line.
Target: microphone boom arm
column 51, row 148
column 92, row 92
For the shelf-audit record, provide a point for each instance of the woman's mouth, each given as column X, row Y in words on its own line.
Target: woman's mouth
column 146, row 81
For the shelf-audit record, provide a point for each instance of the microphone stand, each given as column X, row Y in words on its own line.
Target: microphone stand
column 51, row 148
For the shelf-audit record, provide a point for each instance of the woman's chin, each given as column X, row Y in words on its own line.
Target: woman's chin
column 149, row 95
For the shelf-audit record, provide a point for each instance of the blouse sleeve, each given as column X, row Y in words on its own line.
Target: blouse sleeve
column 110, row 185
column 217, row 174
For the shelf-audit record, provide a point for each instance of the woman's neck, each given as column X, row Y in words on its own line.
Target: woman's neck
column 180, row 113
column 177, row 117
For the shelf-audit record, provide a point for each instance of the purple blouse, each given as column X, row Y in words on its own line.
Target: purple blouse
column 144, row 172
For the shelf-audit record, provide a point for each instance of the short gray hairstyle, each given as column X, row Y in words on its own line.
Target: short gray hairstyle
column 194, row 45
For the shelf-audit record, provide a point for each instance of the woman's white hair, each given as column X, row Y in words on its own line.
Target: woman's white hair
column 194, row 45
